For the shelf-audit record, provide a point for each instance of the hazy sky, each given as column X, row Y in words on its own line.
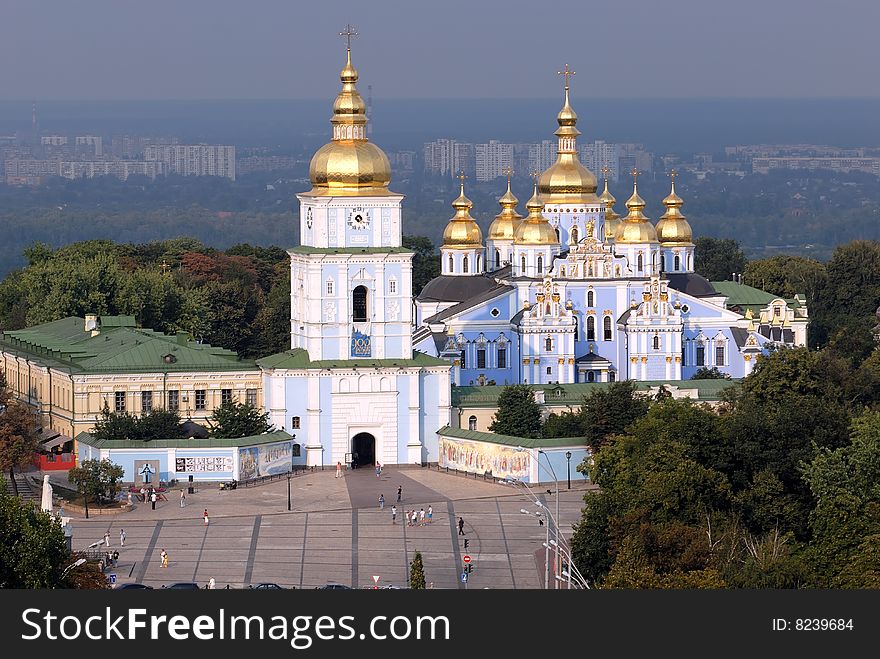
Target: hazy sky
column 96, row 49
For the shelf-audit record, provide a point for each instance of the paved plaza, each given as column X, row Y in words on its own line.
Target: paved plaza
column 336, row 532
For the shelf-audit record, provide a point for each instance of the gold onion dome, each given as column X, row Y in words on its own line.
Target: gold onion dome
column 535, row 229
column 567, row 180
column 349, row 164
column 635, row 227
column 462, row 230
column 505, row 223
column 612, row 219
column 673, row 228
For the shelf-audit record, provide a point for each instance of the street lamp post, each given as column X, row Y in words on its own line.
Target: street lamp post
column 546, row 543
column 556, row 519
column 568, row 457
column 288, row 491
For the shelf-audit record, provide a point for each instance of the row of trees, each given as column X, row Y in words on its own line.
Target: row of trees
column 778, row 487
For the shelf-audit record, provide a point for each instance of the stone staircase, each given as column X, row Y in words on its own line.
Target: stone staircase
column 24, row 489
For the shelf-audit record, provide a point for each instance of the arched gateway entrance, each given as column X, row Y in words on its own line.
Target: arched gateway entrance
column 363, row 448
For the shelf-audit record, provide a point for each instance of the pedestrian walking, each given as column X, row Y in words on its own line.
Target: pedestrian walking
column 129, row 497
column 430, row 514
column 115, row 558
column 107, row 538
column 399, row 493
column 206, row 516
column 394, row 514
column 378, row 470
column 381, row 502
column 415, row 517
column 182, row 499
column 143, row 494
column 338, row 469
column 212, row 584
column 460, row 526
column 163, row 558
column 422, row 517
column 153, row 500
column 122, row 537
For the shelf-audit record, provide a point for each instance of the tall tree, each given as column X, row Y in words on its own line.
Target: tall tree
column 97, row 479
column 787, row 275
column 18, row 435
column 518, row 414
column 33, row 551
column 607, row 412
column 717, row 258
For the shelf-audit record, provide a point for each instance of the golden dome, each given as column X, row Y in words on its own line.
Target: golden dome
column 535, row 229
column 349, row 164
column 505, row 223
column 635, row 227
column 462, row 231
column 567, row 180
column 673, row 229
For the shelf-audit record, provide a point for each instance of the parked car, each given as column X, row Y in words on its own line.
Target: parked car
column 132, row 586
column 267, row 586
column 333, row 586
column 184, row 585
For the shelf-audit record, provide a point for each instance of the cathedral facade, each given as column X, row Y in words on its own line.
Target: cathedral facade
column 351, row 388
column 572, row 292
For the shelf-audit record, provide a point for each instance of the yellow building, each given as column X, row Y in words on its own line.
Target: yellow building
column 70, row 369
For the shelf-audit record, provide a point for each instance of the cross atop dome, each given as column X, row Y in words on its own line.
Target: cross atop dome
column 347, row 34
column 566, row 72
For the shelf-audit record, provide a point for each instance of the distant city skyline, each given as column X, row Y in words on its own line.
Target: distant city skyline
column 228, row 49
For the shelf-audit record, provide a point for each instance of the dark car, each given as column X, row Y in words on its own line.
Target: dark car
column 132, row 586
column 267, row 586
column 184, row 585
column 333, row 586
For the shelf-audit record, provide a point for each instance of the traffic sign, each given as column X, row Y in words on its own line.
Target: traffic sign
column 112, row 578
column 375, row 578
column 464, row 577
column 466, row 559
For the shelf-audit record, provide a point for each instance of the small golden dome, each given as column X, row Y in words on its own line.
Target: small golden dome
column 535, row 229
column 505, row 223
column 349, row 164
column 462, row 230
column 635, row 227
column 673, row 228
column 612, row 219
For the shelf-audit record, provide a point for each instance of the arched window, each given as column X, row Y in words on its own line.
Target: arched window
column 591, row 376
column 656, row 342
column 562, row 271
column 359, row 304
column 548, row 344
column 574, row 234
column 497, row 259
column 591, row 328
column 677, row 262
column 523, row 265
column 479, row 264
column 606, row 328
column 653, row 262
column 641, row 264
column 540, row 264
column 591, row 299
column 472, row 423
column 451, row 264
column 464, row 264
column 557, row 234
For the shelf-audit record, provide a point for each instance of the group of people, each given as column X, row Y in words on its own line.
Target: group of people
column 414, row 517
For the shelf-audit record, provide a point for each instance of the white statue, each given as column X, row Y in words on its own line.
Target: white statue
column 46, row 503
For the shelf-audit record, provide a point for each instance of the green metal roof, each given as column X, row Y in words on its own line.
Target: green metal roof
column 525, row 442
column 573, row 394
column 302, row 249
column 254, row 440
column 741, row 295
column 299, row 358
column 120, row 347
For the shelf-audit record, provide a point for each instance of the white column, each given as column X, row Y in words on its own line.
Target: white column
column 415, row 440
column 314, row 449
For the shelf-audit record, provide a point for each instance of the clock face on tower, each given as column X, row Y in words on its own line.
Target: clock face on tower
column 359, row 218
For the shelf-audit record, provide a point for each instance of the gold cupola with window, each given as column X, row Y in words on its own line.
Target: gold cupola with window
column 505, row 223
column 612, row 219
column 349, row 165
column 535, row 229
column 567, row 181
